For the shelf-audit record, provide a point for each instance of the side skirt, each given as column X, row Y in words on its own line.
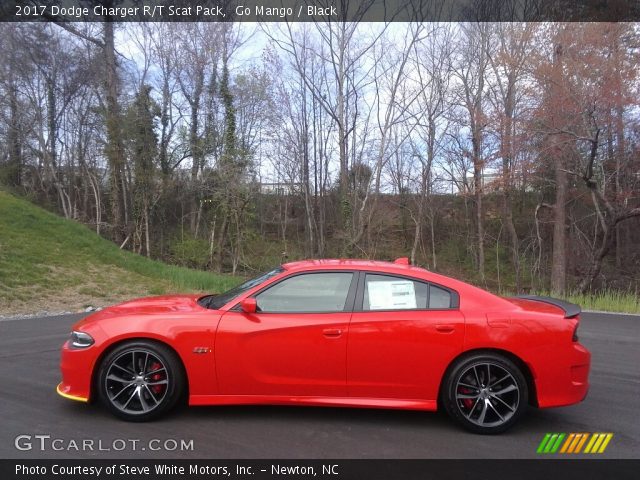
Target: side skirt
column 391, row 403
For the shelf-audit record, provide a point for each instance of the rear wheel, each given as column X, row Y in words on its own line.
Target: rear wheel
column 485, row 393
column 140, row 380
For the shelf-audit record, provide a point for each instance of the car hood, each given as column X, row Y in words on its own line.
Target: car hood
column 160, row 305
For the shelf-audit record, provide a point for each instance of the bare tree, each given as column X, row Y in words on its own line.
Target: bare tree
column 509, row 66
column 338, row 87
column 434, row 73
column 114, row 149
column 470, row 69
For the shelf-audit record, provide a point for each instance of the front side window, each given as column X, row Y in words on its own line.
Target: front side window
column 385, row 292
column 217, row 301
column 311, row 292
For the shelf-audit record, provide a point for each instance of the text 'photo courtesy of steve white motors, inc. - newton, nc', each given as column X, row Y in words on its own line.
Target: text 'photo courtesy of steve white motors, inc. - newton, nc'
column 154, row 11
column 221, row 469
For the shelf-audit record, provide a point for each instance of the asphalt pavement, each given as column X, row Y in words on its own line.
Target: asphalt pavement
column 48, row 426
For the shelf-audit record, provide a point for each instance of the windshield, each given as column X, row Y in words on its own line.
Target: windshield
column 217, row 301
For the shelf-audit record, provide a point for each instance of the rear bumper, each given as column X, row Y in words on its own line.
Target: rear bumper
column 567, row 380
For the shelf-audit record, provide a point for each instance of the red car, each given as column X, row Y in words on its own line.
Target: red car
column 337, row 333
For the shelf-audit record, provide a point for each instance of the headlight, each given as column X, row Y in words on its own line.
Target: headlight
column 81, row 340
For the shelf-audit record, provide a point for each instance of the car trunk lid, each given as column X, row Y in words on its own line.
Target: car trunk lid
column 543, row 304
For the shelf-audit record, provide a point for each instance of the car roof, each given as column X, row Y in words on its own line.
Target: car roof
column 473, row 296
column 356, row 264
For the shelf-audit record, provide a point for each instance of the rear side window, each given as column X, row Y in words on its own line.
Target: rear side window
column 439, row 297
column 310, row 292
column 386, row 292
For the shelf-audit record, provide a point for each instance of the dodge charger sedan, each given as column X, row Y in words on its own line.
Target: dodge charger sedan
column 336, row 333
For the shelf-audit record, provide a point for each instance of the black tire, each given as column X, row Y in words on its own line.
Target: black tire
column 149, row 391
column 485, row 393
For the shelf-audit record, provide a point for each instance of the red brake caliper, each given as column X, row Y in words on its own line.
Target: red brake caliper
column 155, row 377
column 468, row 403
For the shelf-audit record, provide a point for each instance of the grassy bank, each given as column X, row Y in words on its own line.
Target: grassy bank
column 609, row 301
column 49, row 263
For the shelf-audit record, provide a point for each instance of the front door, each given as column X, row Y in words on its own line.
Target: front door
column 294, row 345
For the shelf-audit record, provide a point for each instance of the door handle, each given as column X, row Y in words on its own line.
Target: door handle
column 445, row 328
column 332, row 332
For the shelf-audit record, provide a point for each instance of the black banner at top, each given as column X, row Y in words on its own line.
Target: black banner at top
column 320, row 10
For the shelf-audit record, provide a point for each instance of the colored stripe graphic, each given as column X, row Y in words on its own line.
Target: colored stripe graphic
column 598, row 442
column 543, row 443
column 551, row 442
column 570, row 439
column 556, row 445
column 583, row 439
column 606, row 442
column 573, row 443
column 592, row 440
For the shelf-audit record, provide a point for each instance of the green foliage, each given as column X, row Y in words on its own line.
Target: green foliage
column 229, row 115
column 191, row 252
column 606, row 301
column 140, row 133
column 9, row 174
column 142, row 143
column 345, row 212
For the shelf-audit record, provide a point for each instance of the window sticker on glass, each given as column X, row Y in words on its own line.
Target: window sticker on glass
column 397, row 294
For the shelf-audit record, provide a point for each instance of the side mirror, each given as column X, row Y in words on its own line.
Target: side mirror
column 249, row 305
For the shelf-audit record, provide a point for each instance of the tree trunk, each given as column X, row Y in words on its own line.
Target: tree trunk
column 477, row 181
column 13, row 140
column 146, row 228
column 434, row 259
column 507, row 161
column 221, row 237
column 620, row 140
column 596, row 262
column 418, row 230
column 559, row 256
column 309, row 213
column 114, row 149
column 345, row 204
column 476, row 141
column 163, row 154
column 194, row 144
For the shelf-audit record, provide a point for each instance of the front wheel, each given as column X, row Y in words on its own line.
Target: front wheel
column 485, row 393
column 140, row 380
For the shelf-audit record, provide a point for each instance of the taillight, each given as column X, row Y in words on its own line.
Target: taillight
column 575, row 333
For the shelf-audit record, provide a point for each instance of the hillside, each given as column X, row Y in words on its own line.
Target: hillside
column 51, row 264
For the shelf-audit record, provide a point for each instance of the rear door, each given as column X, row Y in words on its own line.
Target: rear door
column 403, row 334
column 295, row 344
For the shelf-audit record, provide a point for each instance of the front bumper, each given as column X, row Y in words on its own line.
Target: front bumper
column 76, row 367
column 63, row 390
